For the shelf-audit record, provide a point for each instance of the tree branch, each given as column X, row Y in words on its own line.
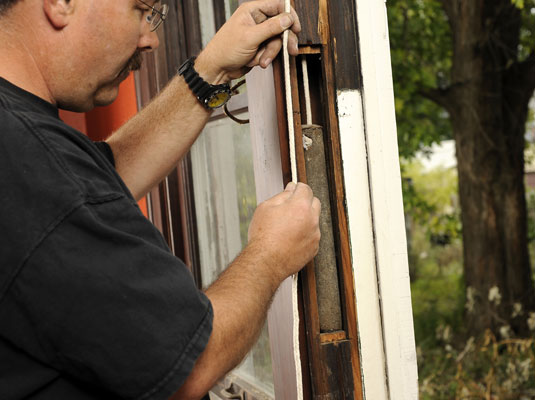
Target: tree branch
column 438, row 96
column 518, row 87
column 519, row 82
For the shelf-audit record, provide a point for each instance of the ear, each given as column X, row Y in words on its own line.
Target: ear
column 58, row 12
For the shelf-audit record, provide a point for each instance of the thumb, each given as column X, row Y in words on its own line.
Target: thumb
column 284, row 195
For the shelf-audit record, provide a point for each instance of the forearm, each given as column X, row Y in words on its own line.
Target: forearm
column 240, row 298
column 150, row 145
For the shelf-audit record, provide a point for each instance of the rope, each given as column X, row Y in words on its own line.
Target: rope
column 293, row 164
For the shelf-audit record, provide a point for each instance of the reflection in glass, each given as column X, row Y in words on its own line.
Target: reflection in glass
column 225, row 200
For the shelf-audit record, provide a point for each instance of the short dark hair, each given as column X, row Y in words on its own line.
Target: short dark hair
column 5, row 4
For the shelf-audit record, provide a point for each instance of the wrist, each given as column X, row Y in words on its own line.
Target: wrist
column 267, row 263
column 209, row 71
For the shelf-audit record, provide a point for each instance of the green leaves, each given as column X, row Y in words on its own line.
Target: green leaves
column 421, row 53
column 518, row 3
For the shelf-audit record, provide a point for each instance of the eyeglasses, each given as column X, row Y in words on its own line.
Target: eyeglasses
column 158, row 15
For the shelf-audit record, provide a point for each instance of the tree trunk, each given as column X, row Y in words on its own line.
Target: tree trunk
column 488, row 104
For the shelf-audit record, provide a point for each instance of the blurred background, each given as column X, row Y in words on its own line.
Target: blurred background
column 464, row 77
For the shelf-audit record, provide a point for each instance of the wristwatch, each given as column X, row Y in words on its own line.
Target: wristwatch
column 210, row 96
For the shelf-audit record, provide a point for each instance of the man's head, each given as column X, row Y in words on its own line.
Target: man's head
column 81, row 49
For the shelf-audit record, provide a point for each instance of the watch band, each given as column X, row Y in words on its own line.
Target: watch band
column 204, row 91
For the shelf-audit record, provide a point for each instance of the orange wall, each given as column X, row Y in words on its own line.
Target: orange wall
column 100, row 122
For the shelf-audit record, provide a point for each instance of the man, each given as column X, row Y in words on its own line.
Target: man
column 92, row 303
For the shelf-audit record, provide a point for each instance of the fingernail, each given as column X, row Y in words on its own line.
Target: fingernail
column 266, row 62
column 286, row 22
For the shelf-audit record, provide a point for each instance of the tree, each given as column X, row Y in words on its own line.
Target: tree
column 474, row 61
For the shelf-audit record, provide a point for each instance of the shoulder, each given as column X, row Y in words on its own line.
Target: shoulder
column 47, row 170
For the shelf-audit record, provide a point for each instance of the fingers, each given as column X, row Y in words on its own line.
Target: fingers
column 270, row 52
column 290, row 187
column 270, row 28
column 304, row 193
column 262, row 10
column 266, row 54
column 316, row 206
column 284, row 195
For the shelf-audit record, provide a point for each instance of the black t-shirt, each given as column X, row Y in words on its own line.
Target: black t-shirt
column 93, row 305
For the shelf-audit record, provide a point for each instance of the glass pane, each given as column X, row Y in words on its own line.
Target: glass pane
column 207, row 20
column 230, row 7
column 207, row 17
column 225, row 199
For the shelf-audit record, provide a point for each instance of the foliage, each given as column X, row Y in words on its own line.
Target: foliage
column 449, row 365
column 421, row 52
column 430, row 199
column 435, row 250
column 486, row 368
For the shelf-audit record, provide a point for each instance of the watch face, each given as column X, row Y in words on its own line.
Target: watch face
column 218, row 99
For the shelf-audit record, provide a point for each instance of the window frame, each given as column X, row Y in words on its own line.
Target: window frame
column 380, row 342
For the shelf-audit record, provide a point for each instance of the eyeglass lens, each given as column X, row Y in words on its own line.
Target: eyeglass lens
column 157, row 16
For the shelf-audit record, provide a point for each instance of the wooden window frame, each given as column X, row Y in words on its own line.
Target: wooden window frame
column 374, row 354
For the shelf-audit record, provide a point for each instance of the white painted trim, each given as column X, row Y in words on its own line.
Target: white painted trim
column 355, row 165
column 386, row 202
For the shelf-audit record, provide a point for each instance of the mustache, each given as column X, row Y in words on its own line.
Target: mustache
column 133, row 64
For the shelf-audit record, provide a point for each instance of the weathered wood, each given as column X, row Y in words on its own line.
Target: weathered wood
column 333, row 337
column 343, row 39
column 340, row 217
column 308, row 12
column 381, row 151
column 328, row 290
column 337, row 373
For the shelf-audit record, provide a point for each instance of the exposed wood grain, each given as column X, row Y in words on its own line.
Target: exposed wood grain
column 308, row 12
column 333, row 337
column 343, row 39
column 309, row 49
column 340, row 220
column 336, row 356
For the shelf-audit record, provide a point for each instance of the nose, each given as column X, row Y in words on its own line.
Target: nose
column 149, row 41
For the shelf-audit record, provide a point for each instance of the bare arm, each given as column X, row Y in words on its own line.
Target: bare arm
column 148, row 147
column 284, row 236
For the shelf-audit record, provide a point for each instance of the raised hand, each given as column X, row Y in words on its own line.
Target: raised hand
column 251, row 37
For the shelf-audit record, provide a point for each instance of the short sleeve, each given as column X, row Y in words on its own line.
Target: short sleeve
column 108, row 304
column 106, row 151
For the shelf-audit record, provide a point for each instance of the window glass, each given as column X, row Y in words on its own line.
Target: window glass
column 225, row 200
column 207, row 20
column 230, row 7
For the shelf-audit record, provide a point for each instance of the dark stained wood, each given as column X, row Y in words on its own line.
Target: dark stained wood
column 337, row 356
column 344, row 42
column 303, row 343
column 278, row 76
column 299, row 150
column 191, row 22
column 340, row 218
column 309, row 319
column 308, row 12
column 316, row 80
